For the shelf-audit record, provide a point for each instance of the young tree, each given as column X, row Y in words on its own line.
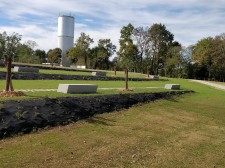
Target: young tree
column 128, row 51
column 8, row 45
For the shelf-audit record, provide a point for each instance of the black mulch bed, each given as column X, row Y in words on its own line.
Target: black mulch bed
column 24, row 116
column 39, row 76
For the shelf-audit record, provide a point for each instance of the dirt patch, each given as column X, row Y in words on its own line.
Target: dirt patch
column 11, row 94
column 24, row 116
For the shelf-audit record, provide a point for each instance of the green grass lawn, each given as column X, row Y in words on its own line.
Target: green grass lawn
column 137, row 86
column 186, row 131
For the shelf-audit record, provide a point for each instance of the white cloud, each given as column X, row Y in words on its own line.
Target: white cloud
column 188, row 20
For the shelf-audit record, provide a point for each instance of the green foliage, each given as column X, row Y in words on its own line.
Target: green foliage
column 8, row 44
column 141, row 39
column 21, row 114
column 128, row 52
column 54, row 56
column 161, row 40
column 99, row 56
column 80, row 53
column 209, row 54
column 40, row 56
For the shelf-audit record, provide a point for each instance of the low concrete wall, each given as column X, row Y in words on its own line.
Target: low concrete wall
column 26, row 69
column 39, row 76
column 98, row 73
column 172, row 86
column 77, row 88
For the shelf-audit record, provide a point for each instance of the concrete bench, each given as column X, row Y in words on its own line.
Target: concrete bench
column 154, row 77
column 77, row 88
column 26, row 69
column 78, row 66
column 99, row 73
column 172, row 86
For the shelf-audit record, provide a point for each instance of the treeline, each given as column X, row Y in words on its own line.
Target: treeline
column 209, row 57
column 151, row 50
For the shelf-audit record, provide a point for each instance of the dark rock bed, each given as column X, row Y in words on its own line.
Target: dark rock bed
column 24, row 116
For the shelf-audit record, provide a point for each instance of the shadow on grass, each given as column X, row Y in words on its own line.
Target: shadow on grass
column 99, row 121
column 172, row 99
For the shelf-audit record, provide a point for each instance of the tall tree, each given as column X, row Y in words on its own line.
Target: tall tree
column 160, row 40
column 82, row 49
column 8, row 45
column 128, row 51
column 39, row 56
column 202, row 54
column 54, row 56
column 141, row 38
column 105, row 50
column 173, row 65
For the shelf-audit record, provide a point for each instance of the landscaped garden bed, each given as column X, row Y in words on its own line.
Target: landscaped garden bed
column 24, row 116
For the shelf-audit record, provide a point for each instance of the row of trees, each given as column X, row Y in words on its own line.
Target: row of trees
column 96, row 57
column 142, row 49
column 149, row 50
column 209, row 57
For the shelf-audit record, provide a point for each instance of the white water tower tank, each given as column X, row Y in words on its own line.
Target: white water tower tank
column 65, row 36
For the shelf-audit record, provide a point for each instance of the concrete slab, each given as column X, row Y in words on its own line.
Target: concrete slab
column 154, row 77
column 99, row 73
column 26, row 69
column 172, row 86
column 77, row 88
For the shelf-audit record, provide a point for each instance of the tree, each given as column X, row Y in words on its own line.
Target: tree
column 72, row 54
column 39, row 56
column 128, row 51
column 174, row 61
column 23, row 53
column 81, row 52
column 54, row 56
column 160, row 40
column 141, row 38
column 8, row 45
column 26, row 52
column 105, row 50
column 202, row 54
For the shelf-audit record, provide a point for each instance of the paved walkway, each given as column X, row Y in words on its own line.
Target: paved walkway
column 53, row 90
column 218, row 86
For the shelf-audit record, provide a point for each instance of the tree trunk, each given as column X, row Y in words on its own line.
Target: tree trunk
column 115, row 70
column 148, row 72
column 126, row 79
column 8, row 74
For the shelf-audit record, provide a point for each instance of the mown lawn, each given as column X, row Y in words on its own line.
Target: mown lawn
column 186, row 131
column 115, row 87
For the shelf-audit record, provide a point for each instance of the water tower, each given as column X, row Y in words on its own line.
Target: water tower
column 65, row 36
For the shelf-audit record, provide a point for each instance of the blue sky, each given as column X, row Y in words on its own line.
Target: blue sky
column 188, row 20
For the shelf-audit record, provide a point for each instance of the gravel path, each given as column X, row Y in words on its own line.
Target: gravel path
column 49, row 90
column 218, row 86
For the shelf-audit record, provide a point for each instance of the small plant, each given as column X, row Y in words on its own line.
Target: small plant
column 21, row 114
column 37, row 114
